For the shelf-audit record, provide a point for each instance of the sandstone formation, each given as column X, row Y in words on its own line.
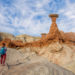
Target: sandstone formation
column 41, row 67
column 27, row 38
column 54, row 32
column 43, row 36
column 57, row 53
column 56, row 46
column 18, row 41
column 24, row 38
column 29, row 63
column 54, row 35
column 69, row 36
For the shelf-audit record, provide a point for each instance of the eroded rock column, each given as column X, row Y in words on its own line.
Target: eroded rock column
column 54, row 31
column 43, row 36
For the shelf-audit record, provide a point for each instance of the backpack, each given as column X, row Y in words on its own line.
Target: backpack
column 0, row 52
column 3, row 50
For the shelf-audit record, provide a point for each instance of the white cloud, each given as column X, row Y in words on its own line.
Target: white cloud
column 72, row 30
column 7, row 29
column 69, row 17
column 22, row 16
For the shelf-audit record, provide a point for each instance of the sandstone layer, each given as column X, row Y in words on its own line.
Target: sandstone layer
column 29, row 63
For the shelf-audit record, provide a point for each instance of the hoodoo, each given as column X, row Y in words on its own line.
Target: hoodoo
column 43, row 36
column 54, row 32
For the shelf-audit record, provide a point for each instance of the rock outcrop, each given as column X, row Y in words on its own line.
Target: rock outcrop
column 29, row 63
column 23, row 38
column 18, row 41
column 69, row 36
column 57, row 53
column 39, row 67
column 54, row 33
column 27, row 38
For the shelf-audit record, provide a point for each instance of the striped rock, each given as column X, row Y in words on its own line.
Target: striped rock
column 37, row 66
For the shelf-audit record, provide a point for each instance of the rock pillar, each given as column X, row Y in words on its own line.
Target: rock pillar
column 43, row 35
column 54, row 31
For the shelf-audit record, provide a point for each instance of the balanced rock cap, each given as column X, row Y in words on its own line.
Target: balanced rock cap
column 53, row 15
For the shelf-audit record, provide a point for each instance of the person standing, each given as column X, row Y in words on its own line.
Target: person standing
column 3, row 53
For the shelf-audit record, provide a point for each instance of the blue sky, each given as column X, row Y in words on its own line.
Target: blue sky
column 31, row 16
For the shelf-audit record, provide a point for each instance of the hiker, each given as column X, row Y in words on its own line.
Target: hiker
column 3, row 54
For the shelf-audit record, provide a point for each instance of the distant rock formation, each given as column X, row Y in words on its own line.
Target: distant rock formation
column 27, row 38
column 18, row 41
column 6, row 36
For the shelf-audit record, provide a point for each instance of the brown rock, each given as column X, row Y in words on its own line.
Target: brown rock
column 54, row 32
column 43, row 35
column 68, row 36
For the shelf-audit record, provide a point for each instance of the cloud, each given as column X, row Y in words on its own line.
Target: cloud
column 68, row 14
column 31, row 17
column 7, row 29
column 72, row 30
